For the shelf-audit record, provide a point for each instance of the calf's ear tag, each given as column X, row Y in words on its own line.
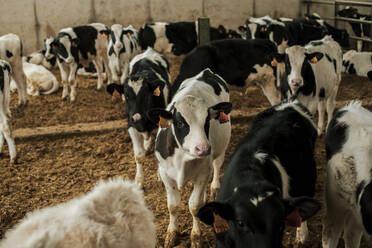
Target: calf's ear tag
column 307, row 18
column 103, row 35
column 128, row 34
column 294, row 219
column 262, row 29
column 314, row 60
column 274, row 63
column 157, row 91
column 115, row 95
column 355, row 15
column 163, row 123
column 223, row 118
column 219, row 224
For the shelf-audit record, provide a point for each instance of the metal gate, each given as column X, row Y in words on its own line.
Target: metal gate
column 336, row 19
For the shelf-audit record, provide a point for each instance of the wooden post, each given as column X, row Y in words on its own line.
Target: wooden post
column 203, row 30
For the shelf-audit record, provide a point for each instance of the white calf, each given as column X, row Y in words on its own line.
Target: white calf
column 5, row 129
column 313, row 73
column 359, row 63
column 112, row 215
column 39, row 80
column 348, row 191
column 194, row 134
column 11, row 51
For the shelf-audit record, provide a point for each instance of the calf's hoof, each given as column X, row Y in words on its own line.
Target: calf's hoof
column 170, row 239
column 13, row 161
column 213, row 194
column 195, row 241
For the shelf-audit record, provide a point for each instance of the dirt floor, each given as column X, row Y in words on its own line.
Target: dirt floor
column 57, row 168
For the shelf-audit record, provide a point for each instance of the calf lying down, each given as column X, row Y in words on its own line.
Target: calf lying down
column 112, row 215
column 39, row 80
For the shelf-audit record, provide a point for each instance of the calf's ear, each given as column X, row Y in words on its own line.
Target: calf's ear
column 217, row 215
column 314, row 57
column 299, row 209
column 220, row 111
column 242, row 29
column 111, row 88
column 161, row 117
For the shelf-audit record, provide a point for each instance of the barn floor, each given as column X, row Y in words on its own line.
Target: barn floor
column 57, row 168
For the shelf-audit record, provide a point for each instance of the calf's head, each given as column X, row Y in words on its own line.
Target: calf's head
column 190, row 119
column 298, row 71
column 253, row 31
column 255, row 216
column 142, row 91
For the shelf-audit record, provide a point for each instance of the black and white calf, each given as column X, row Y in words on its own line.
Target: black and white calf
column 359, row 63
column 80, row 45
column 43, row 57
column 123, row 46
column 5, row 129
column 174, row 37
column 238, row 62
column 359, row 29
column 146, row 87
column 11, row 51
column 269, row 181
column 348, row 191
column 194, row 133
column 313, row 74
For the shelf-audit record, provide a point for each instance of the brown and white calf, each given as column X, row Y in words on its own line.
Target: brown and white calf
column 80, row 45
column 123, row 46
column 11, row 51
column 194, row 133
column 5, row 129
column 348, row 191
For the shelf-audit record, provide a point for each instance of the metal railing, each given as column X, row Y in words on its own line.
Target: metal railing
column 336, row 5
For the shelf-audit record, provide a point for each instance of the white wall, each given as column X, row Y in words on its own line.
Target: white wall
column 33, row 20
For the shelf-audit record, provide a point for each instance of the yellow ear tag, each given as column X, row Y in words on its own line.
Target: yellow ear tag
column 262, row 29
column 128, row 35
column 274, row 63
column 355, row 15
column 163, row 123
column 104, row 35
column 220, row 224
column 314, row 60
column 307, row 18
column 157, row 91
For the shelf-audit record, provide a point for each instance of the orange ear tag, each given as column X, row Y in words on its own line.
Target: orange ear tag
column 157, row 91
column 314, row 60
column 220, row 225
column 274, row 63
column 163, row 123
column 262, row 29
column 128, row 35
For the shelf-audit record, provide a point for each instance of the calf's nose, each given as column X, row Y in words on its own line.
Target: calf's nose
column 202, row 150
column 136, row 117
column 296, row 82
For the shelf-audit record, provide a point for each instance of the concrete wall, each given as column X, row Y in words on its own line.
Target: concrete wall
column 33, row 20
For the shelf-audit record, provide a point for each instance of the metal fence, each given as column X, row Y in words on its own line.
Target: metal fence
column 336, row 19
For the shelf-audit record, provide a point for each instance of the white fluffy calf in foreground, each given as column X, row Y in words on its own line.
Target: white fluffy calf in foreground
column 112, row 215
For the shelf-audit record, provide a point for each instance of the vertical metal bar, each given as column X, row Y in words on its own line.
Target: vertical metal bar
column 308, row 8
column 336, row 10
column 203, row 30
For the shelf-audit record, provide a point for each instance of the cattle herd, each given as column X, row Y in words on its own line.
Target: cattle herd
column 269, row 181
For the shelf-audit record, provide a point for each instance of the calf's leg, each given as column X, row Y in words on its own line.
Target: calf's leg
column 139, row 153
column 173, row 201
